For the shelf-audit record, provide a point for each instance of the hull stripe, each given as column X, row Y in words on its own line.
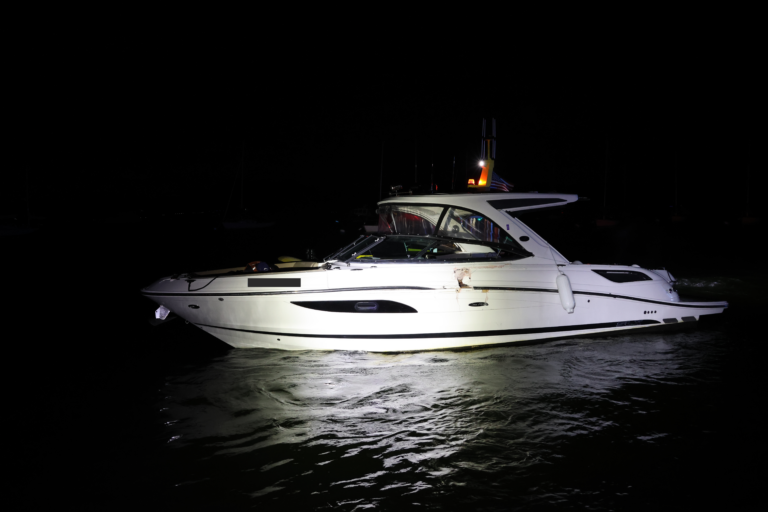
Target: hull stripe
column 468, row 334
column 376, row 288
column 611, row 295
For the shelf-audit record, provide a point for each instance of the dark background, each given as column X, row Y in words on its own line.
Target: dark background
column 130, row 149
column 147, row 126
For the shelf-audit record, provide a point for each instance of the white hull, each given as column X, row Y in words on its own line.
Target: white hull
column 502, row 311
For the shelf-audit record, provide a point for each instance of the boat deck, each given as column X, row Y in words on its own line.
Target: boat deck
column 292, row 266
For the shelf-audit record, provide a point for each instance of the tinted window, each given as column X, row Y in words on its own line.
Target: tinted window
column 408, row 219
column 459, row 223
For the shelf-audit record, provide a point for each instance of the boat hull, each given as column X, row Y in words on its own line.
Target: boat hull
column 446, row 271
column 435, row 318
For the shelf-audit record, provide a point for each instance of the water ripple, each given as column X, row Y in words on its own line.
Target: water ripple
column 507, row 426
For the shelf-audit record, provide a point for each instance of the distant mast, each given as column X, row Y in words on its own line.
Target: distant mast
column 487, row 160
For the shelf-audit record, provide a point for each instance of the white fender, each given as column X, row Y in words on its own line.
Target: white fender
column 566, row 294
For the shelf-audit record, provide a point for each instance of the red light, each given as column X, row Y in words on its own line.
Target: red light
column 471, row 182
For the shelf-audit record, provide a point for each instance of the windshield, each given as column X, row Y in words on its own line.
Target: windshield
column 409, row 219
column 353, row 249
column 410, row 232
column 424, row 249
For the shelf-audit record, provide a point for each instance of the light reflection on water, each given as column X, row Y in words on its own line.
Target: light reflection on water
column 528, row 426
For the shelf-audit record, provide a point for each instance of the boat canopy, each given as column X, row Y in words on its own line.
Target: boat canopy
column 485, row 203
column 484, row 219
column 532, row 201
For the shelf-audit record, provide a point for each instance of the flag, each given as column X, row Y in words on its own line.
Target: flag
column 499, row 183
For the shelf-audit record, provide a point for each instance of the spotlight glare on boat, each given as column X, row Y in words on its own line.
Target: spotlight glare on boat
column 482, row 163
column 449, row 244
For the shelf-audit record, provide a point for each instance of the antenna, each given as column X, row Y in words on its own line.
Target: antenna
column 381, row 172
column 432, row 174
column 493, row 140
column 416, row 161
column 453, row 174
column 482, row 143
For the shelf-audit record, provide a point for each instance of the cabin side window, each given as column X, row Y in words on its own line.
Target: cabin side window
column 459, row 223
column 408, row 219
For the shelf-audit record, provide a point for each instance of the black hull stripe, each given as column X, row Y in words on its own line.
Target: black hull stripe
column 287, row 292
column 498, row 288
column 598, row 294
column 470, row 334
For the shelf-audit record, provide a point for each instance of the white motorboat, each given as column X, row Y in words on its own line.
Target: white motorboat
column 444, row 271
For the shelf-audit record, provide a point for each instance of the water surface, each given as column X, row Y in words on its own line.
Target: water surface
column 604, row 423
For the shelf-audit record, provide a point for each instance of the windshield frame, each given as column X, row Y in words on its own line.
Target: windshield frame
column 513, row 250
column 431, row 242
column 514, row 244
column 359, row 240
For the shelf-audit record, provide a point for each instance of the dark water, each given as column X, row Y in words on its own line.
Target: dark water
column 114, row 414
column 596, row 423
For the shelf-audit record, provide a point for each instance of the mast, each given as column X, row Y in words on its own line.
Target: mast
column 381, row 172
column 416, row 161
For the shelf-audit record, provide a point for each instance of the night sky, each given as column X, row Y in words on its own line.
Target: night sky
column 169, row 128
